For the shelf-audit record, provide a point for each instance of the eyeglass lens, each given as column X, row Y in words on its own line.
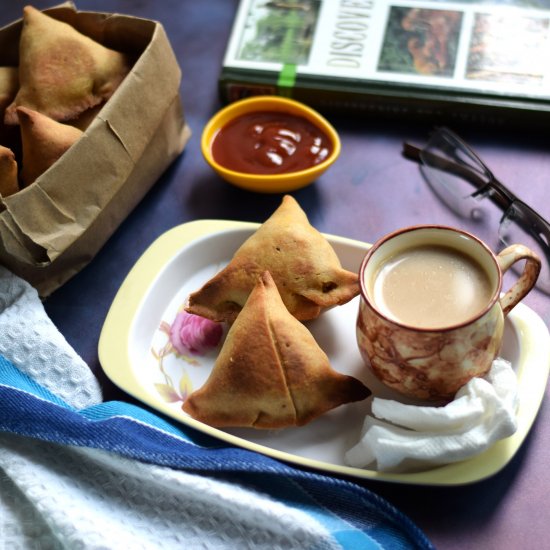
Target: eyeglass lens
column 443, row 163
column 444, row 166
column 442, row 160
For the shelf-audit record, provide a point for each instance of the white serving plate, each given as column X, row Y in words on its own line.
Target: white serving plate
column 132, row 342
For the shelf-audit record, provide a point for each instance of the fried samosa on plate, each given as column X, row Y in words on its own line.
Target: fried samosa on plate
column 62, row 72
column 44, row 142
column 302, row 262
column 8, row 172
column 270, row 372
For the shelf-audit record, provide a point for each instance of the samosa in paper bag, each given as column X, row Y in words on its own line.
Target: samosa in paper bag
column 44, row 141
column 8, row 172
column 62, row 72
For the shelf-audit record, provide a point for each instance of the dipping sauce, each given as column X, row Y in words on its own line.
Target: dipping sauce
column 270, row 143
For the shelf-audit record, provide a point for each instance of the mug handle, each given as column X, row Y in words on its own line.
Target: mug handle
column 506, row 258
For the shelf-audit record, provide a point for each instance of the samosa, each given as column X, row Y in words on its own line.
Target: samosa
column 44, row 142
column 270, row 372
column 9, row 84
column 302, row 262
column 62, row 72
column 8, row 172
column 83, row 120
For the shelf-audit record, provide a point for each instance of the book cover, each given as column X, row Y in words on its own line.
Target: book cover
column 483, row 60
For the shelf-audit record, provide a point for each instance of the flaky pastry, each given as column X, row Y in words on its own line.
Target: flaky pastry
column 44, row 141
column 270, row 372
column 9, row 83
column 62, row 72
column 303, row 264
column 8, row 172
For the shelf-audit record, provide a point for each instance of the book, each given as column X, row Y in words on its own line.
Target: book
column 473, row 61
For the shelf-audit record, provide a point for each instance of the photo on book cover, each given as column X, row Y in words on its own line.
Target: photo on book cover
column 279, row 31
column 499, row 46
column 421, row 41
column 507, row 48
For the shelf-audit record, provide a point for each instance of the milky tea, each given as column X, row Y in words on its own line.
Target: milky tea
column 432, row 311
column 431, row 286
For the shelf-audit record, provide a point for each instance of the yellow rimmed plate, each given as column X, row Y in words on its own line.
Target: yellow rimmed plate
column 135, row 353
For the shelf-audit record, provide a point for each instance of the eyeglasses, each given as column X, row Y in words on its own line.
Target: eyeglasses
column 451, row 169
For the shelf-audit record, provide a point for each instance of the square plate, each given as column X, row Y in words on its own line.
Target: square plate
column 135, row 354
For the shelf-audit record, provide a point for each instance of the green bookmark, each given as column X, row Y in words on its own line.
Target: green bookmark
column 287, row 79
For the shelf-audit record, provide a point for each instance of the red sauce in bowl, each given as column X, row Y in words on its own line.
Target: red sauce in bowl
column 270, row 143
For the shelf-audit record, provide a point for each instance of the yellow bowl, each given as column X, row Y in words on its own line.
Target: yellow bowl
column 268, row 183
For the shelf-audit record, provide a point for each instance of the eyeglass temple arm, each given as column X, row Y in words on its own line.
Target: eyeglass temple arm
column 536, row 224
column 539, row 228
column 502, row 198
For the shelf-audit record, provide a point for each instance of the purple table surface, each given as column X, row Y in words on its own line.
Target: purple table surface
column 370, row 191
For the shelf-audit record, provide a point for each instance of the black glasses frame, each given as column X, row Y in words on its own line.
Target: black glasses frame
column 485, row 186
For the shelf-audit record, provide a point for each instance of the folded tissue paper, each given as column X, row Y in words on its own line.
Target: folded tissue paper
column 402, row 437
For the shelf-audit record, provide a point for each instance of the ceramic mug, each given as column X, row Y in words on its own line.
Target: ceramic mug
column 430, row 353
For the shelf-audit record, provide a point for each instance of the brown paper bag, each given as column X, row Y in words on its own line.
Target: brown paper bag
column 51, row 229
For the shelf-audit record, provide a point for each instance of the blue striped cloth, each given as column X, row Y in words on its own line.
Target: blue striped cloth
column 355, row 517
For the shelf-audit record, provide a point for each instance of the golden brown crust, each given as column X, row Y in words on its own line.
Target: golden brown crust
column 8, row 172
column 303, row 264
column 62, row 72
column 9, row 83
column 270, row 372
column 44, row 142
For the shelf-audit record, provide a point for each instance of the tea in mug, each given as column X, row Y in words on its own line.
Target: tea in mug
column 431, row 286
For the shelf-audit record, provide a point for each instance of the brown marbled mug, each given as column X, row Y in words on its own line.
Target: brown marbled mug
column 431, row 314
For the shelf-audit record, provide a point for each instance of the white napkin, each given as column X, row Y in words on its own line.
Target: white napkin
column 402, row 437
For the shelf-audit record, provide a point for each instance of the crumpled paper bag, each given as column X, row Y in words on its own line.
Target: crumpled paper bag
column 51, row 229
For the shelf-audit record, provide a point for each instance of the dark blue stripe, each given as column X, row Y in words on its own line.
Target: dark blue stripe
column 28, row 409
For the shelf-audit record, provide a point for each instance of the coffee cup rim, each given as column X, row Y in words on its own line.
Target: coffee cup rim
column 382, row 240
